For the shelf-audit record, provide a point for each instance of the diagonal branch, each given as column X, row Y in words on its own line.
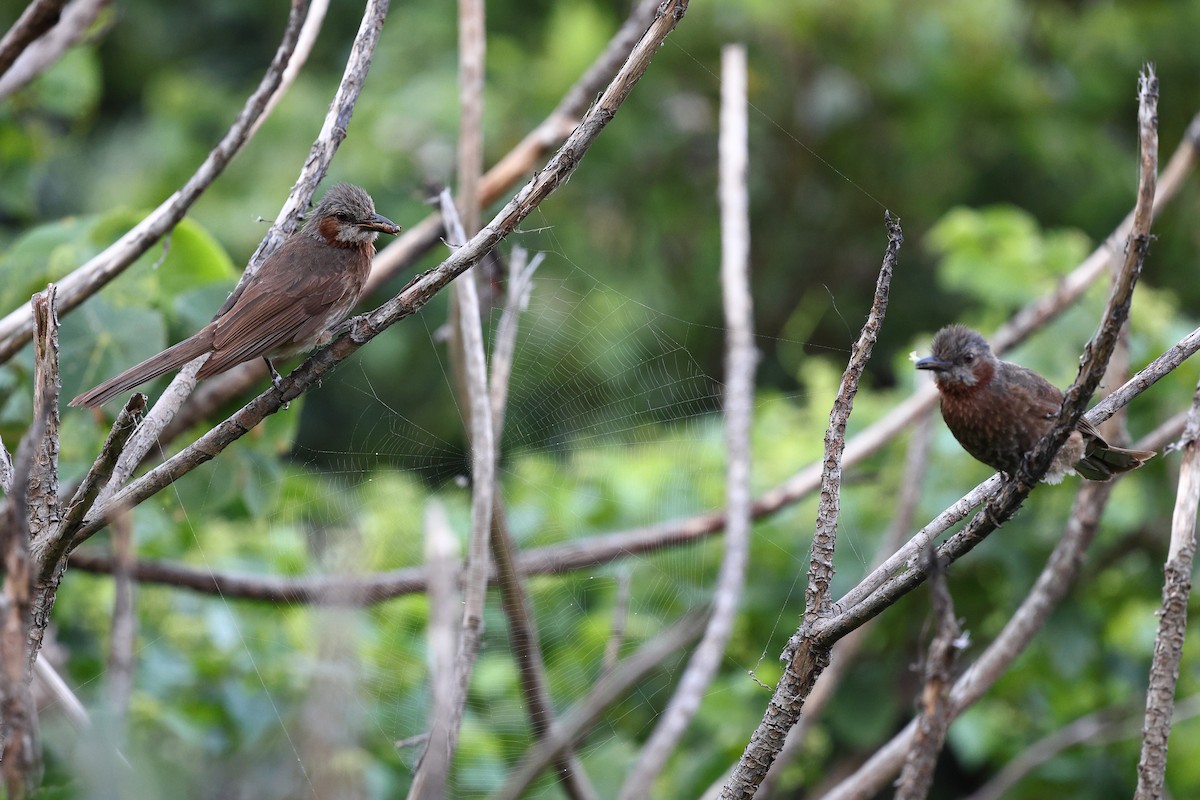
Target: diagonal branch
column 806, row 656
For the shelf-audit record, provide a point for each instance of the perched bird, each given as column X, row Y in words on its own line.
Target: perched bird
column 998, row 411
column 300, row 292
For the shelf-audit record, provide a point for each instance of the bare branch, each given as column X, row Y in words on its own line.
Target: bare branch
column 48, row 550
column 1172, row 619
column 37, row 18
column 807, row 657
column 441, row 551
column 935, row 713
column 483, row 474
column 72, row 26
column 122, row 643
column 740, row 358
column 1053, row 583
column 17, row 328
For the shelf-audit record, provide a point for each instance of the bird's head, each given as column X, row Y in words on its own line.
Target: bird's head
column 961, row 359
column 346, row 217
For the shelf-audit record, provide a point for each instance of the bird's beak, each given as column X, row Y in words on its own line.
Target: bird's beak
column 377, row 222
column 931, row 363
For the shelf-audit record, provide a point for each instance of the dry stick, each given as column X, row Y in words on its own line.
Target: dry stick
column 420, row 238
column 600, row 550
column 6, row 469
column 1053, row 583
column 17, row 328
column 807, row 657
column 73, row 25
column 37, row 18
column 609, row 689
column 442, row 563
column 845, row 652
column 740, row 357
column 620, row 618
column 483, row 475
column 333, row 131
column 472, row 45
column 417, row 293
column 1172, row 620
column 934, row 720
column 31, row 503
column 123, row 638
column 514, row 600
column 48, row 551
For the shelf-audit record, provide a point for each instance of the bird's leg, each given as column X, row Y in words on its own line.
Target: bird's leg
column 276, row 378
column 277, row 381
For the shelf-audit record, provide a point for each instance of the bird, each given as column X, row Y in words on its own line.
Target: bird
column 289, row 305
column 998, row 411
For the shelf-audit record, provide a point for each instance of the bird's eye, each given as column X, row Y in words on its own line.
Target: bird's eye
column 342, row 216
column 969, row 358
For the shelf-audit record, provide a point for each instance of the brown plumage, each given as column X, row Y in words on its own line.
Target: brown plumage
column 999, row 411
column 305, row 288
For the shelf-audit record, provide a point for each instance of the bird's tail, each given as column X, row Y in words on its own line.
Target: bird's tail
column 1102, row 460
column 169, row 359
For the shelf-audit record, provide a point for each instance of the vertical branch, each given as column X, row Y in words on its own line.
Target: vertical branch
column 32, row 508
column 119, row 675
column 806, row 654
column 483, row 467
column 472, row 49
column 935, row 711
column 1172, row 620
column 740, row 357
column 441, row 559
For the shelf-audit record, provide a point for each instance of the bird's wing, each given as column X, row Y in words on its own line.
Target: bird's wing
column 272, row 313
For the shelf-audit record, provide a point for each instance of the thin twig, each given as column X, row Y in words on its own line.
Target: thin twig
column 845, row 652
column 37, row 18
column 806, row 656
column 916, row 777
column 740, row 357
column 1172, row 619
column 48, row 551
column 442, row 632
column 119, row 675
column 77, row 17
column 17, row 328
column 483, row 474
column 514, row 600
column 608, row 690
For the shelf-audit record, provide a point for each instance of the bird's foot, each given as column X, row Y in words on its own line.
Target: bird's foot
column 277, row 381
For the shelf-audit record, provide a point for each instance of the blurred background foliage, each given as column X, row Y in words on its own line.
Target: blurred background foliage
column 1001, row 132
